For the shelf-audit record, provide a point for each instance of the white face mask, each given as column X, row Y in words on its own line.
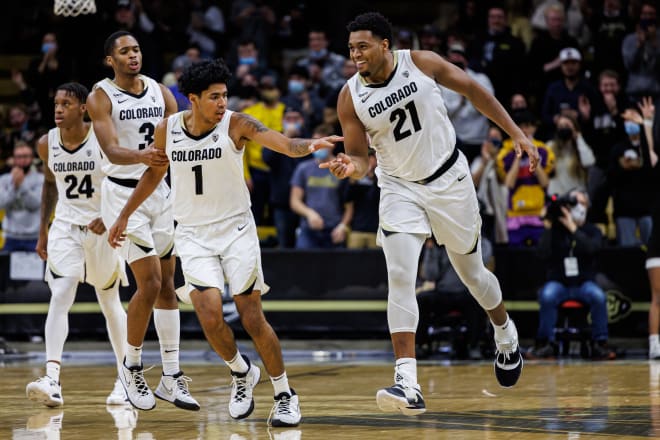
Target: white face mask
column 579, row 214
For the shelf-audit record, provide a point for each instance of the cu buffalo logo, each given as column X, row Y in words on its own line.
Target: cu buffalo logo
column 618, row 305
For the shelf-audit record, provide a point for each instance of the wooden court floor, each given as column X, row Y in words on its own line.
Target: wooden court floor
column 569, row 400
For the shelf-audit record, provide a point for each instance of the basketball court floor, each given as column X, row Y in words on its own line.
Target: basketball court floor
column 337, row 382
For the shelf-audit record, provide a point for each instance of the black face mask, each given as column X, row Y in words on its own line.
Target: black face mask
column 565, row 134
column 27, row 169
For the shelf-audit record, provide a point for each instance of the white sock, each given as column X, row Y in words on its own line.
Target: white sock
column 53, row 370
column 167, row 323
column 133, row 355
column 654, row 340
column 407, row 368
column 63, row 294
column 281, row 384
column 238, row 364
column 505, row 332
column 115, row 320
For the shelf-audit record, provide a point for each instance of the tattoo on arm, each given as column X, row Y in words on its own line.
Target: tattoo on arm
column 252, row 124
column 48, row 201
column 299, row 147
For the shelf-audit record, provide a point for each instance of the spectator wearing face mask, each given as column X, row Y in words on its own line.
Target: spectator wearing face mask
column 281, row 170
column 317, row 196
column 322, row 64
column 630, row 174
column 20, row 197
column 573, row 157
column 270, row 112
column 301, row 96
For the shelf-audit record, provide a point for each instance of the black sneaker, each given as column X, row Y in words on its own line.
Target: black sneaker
column 399, row 397
column 508, row 363
column 600, row 351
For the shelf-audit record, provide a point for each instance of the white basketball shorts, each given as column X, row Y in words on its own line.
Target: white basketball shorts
column 446, row 207
column 75, row 251
column 218, row 253
column 150, row 229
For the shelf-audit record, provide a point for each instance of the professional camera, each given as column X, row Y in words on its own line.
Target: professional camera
column 555, row 202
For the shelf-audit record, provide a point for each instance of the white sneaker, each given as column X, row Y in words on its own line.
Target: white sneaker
column 118, row 395
column 241, row 403
column 138, row 392
column 174, row 389
column 125, row 416
column 289, row 434
column 46, row 391
column 286, row 410
column 654, row 350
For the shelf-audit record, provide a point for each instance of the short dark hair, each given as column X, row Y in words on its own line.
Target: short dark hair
column 74, row 89
column 109, row 44
column 199, row 76
column 374, row 22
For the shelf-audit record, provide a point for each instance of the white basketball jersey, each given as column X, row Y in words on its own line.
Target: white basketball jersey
column 406, row 120
column 78, row 177
column 135, row 118
column 206, row 173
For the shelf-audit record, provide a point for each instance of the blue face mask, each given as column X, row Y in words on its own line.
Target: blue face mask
column 296, row 87
column 321, row 154
column 247, row 61
column 297, row 126
column 46, row 47
column 632, row 129
column 318, row 54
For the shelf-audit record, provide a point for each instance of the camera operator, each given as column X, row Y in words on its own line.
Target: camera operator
column 568, row 249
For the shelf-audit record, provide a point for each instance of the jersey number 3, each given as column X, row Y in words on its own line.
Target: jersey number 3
column 73, row 191
column 399, row 117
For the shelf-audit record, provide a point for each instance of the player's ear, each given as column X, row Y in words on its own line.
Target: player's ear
column 386, row 43
column 107, row 61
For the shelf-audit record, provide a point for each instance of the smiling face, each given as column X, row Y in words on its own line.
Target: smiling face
column 126, row 57
column 68, row 109
column 210, row 106
column 369, row 54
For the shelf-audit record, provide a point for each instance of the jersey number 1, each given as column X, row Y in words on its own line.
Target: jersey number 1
column 199, row 188
column 400, row 115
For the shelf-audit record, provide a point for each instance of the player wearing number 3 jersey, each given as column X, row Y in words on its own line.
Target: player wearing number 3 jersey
column 125, row 111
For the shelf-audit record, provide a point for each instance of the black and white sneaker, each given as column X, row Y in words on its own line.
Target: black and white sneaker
column 401, row 397
column 508, row 363
column 241, row 402
column 286, row 410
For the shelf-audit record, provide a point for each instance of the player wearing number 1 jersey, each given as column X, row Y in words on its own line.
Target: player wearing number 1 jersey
column 216, row 236
column 425, row 187
column 75, row 247
column 125, row 111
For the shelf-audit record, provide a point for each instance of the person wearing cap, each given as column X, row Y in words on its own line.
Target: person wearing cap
column 471, row 125
column 526, row 190
column 565, row 96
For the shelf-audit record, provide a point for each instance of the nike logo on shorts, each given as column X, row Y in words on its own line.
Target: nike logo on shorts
column 240, row 228
column 462, row 177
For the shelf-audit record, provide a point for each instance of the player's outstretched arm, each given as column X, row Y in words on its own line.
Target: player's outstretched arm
column 99, row 109
column 48, row 198
column 244, row 127
column 146, row 185
column 452, row 77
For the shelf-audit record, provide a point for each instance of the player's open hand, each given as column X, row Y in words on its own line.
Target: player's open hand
column 96, row 226
column 153, row 157
column 341, row 166
column 325, row 142
column 525, row 144
column 117, row 232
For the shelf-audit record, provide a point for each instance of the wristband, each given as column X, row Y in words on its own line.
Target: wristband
column 648, row 123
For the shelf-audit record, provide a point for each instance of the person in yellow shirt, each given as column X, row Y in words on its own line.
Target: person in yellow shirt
column 270, row 112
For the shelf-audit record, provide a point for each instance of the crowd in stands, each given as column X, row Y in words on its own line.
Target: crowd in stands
column 580, row 77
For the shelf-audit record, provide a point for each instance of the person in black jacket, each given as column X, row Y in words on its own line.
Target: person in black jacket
column 568, row 247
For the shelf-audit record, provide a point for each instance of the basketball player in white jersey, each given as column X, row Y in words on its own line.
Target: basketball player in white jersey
column 216, row 235
column 125, row 111
column 75, row 248
column 425, row 187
